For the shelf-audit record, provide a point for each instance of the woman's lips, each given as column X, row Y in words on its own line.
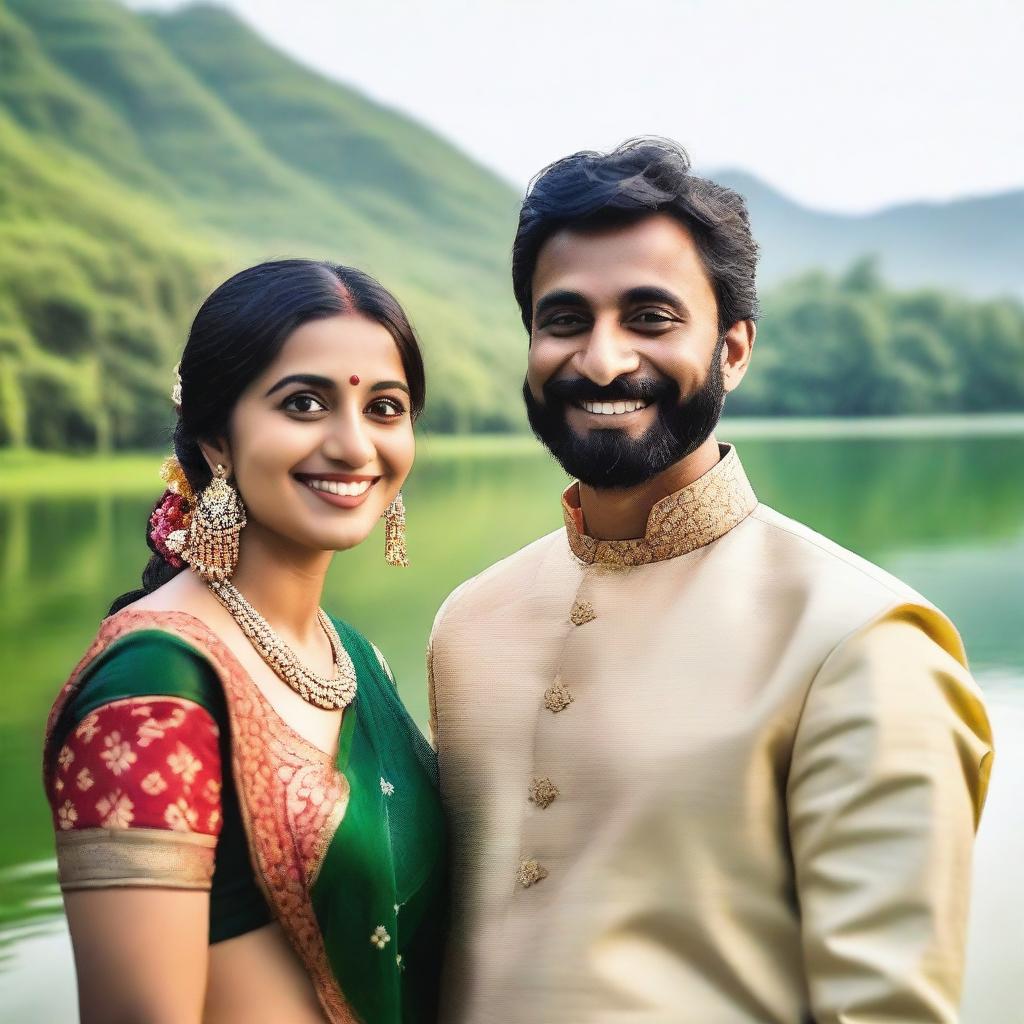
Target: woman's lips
column 342, row 490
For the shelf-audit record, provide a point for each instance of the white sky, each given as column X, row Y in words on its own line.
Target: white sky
column 842, row 104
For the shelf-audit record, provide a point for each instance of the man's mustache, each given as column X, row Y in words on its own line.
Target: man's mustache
column 623, row 389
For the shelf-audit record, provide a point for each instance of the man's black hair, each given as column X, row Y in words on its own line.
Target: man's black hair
column 644, row 176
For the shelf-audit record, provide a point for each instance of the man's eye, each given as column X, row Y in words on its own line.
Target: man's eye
column 564, row 320
column 653, row 316
column 387, row 408
column 304, row 404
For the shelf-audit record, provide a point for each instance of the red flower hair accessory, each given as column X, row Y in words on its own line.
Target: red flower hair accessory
column 170, row 516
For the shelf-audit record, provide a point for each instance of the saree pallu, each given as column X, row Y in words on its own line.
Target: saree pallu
column 348, row 851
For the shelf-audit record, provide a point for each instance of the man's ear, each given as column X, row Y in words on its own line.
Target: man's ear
column 736, row 352
column 217, row 452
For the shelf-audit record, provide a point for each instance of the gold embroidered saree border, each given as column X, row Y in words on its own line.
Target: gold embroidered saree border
column 280, row 790
column 101, row 858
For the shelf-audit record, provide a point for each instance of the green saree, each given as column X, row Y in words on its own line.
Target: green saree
column 347, row 853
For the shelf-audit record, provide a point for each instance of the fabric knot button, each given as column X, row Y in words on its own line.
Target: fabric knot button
column 557, row 697
column 582, row 613
column 543, row 792
column 530, row 872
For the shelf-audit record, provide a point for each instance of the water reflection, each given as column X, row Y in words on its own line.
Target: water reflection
column 945, row 514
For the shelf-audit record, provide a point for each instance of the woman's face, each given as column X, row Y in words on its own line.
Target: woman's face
column 322, row 440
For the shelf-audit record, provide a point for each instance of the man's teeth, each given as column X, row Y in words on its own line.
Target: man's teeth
column 342, row 489
column 612, row 408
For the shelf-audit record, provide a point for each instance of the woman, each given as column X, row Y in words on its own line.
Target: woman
column 247, row 821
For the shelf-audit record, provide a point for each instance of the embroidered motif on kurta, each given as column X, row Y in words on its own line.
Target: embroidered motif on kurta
column 530, row 872
column 543, row 792
column 557, row 697
column 582, row 613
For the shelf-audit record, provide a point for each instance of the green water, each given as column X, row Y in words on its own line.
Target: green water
column 946, row 513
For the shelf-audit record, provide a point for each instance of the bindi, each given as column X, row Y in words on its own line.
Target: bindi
column 354, row 379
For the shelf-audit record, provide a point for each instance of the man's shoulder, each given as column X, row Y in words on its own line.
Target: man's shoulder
column 835, row 593
column 506, row 576
column 821, row 563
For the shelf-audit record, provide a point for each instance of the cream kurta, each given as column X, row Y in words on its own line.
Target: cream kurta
column 728, row 772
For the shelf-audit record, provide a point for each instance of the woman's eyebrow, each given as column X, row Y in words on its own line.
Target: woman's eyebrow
column 385, row 385
column 312, row 379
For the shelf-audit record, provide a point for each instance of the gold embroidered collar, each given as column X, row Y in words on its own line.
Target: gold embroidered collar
column 692, row 517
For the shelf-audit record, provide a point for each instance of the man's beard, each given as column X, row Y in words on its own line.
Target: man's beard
column 609, row 457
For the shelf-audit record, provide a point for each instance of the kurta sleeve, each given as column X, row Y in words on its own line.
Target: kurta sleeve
column 135, row 792
column 888, row 779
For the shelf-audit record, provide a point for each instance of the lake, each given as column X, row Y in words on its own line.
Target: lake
column 940, row 505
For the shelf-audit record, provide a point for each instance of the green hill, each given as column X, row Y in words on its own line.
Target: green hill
column 145, row 157
column 185, row 141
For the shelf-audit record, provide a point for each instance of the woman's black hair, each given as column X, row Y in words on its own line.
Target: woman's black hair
column 642, row 177
column 238, row 332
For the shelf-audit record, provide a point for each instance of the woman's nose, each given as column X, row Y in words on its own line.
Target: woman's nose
column 349, row 442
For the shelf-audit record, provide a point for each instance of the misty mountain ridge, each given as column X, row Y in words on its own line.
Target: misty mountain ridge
column 973, row 245
column 147, row 156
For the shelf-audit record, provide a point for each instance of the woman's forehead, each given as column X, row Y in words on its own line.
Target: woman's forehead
column 338, row 347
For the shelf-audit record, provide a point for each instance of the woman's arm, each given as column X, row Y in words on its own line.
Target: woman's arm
column 135, row 791
column 140, row 954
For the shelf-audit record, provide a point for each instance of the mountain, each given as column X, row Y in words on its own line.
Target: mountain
column 969, row 245
column 146, row 156
column 188, row 126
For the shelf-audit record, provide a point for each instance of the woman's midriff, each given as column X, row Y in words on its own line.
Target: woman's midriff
column 257, row 978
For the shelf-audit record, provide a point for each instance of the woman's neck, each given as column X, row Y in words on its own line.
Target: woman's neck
column 284, row 583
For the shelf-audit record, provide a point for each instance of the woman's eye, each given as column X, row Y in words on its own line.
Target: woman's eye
column 387, row 408
column 304, row 404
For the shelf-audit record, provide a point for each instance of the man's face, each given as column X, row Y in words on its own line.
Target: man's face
column 625, row 369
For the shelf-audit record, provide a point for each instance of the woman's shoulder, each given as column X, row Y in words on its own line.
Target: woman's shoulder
column 132, row 769
column 145, row 663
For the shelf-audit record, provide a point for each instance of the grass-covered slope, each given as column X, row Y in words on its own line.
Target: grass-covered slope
column 139, row 141
column 144, row 157
column 379, row 162
column 94, row 283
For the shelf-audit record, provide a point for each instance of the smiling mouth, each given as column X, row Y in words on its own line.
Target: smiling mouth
column 610, row 408
column 340, row 485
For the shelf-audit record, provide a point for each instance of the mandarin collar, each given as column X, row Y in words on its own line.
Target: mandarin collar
column 689, row 519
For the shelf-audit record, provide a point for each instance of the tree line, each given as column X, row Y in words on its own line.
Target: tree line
column 89, row 369
column 849, row 345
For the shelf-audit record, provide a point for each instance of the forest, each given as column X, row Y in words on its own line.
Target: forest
column 144, row 157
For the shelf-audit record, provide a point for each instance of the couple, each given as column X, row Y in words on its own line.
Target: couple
column 695, row 763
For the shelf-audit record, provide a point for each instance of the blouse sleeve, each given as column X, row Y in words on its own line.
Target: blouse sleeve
column 136, row 796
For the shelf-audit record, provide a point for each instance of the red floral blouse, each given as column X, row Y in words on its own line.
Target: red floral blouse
column 138, row 765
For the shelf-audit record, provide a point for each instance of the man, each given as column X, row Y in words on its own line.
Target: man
column 701, row 764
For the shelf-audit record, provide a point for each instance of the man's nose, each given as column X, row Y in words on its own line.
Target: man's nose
column 348, row 441
column 608, row 354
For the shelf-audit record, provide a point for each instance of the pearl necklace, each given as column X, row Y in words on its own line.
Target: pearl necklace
column 329, row 692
